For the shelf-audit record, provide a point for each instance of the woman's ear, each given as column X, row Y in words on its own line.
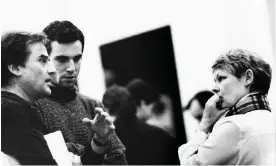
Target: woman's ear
column 249, row 77
column 14, row 70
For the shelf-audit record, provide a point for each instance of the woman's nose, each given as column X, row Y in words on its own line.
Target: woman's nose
column 215, row 89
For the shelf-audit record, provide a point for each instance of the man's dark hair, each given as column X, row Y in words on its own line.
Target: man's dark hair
column 15, row 51
column 63, row 32
column 141, row 90
column 119, row 103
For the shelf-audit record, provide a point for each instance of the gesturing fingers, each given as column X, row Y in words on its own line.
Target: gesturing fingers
column 101, row 113
column 86, row 121
column 108, row 120
column 98, row 110
column 104, row 115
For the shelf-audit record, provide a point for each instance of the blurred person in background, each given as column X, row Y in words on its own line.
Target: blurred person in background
column 237, row 125
column 69, row 111
column 193, row 112
column 145, row 144
column 152, row 107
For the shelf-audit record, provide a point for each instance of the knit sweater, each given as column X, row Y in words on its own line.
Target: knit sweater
column 64, row 111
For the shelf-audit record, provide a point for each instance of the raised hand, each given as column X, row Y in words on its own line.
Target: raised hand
column 102, row 125
column 211, row 114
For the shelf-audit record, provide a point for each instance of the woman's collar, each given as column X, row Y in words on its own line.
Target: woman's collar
column 244, row 97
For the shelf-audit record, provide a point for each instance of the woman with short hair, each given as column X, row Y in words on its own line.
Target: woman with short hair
column 237, row 125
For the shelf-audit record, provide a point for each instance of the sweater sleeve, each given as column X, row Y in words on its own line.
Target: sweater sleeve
column 116, row 152
column 90, row 157
column 22, row 140
column 115, row 155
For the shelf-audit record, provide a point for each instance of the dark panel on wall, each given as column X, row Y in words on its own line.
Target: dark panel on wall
column 149, row 56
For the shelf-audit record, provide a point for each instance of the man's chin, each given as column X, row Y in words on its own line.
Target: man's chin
column 48, row 92
column 68, row 85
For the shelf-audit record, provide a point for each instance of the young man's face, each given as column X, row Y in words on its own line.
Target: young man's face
column 35, row 75
column 66, row 58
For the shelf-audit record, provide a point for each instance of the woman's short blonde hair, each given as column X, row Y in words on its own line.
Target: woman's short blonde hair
column 237, row 61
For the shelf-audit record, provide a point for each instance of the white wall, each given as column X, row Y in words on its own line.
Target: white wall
column 201, row 31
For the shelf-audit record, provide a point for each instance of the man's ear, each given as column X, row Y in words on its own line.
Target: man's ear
column 249, row 77
column 15, row 70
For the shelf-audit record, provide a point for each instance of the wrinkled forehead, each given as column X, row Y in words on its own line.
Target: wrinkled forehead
column 36, row 49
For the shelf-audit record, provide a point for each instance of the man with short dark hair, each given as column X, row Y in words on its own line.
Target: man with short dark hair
column 66, row 108
column 25, row 74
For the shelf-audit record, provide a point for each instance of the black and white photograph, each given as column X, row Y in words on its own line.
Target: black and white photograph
column 117, row 82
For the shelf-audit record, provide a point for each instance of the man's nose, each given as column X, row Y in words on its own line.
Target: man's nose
column 51, row 69
column 71, row 66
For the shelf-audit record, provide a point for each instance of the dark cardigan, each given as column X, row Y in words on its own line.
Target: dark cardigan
column 22, row 132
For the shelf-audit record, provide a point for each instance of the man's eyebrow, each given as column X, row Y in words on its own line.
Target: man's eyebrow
column 61, row 56
column 43, row 56
column 79, row 55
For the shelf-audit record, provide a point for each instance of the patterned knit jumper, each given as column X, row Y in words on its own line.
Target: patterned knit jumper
column 64, row 111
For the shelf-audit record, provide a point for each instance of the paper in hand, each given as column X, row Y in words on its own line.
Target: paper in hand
column 58, row 148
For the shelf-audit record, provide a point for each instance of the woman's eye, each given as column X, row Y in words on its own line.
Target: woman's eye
column 221, row 78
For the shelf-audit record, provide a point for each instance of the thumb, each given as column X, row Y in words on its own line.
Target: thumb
column 86, row 121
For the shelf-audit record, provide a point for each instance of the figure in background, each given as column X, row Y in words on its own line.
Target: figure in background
column 152, row 107
column 65, row 108
column 193, row 112
column 237, row 126
column 145, row 144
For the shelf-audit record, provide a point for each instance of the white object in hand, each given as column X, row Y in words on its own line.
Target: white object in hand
column 58, row 148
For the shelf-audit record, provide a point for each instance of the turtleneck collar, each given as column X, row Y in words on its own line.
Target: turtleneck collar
column 63, row 94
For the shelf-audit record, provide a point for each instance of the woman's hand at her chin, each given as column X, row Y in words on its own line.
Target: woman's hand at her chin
column 211, row 114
